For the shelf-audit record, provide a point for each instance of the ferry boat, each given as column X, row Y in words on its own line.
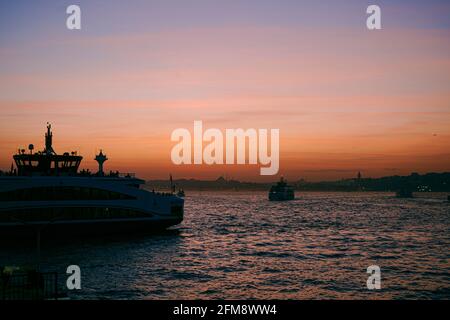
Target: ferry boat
column 47, row 191
column 281, row 191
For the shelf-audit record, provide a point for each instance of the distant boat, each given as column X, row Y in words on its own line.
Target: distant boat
column 404, row 193
column 281, row 191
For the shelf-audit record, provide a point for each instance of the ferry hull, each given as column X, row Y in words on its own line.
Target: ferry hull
column 92, row 228
column 278, row 197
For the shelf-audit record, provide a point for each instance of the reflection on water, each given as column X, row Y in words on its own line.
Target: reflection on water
column 239, row 245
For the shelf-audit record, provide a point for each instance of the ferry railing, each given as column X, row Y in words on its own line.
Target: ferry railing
column 127, row 175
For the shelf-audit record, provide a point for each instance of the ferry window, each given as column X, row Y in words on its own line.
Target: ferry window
column 62, row 194
column 70, row 213
column 33, row 163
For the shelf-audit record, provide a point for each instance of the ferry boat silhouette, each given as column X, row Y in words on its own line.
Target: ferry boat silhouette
column 47, row 190
column 281, row 191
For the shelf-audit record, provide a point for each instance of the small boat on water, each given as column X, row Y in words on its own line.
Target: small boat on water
column 281, row 191
column 173, row 187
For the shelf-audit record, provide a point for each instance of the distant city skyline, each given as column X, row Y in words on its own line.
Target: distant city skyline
column 345, row 99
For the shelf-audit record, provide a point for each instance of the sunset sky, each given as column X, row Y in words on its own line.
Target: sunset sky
column 345, row 99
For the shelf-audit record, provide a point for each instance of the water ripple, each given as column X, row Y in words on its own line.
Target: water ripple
column 239, row 245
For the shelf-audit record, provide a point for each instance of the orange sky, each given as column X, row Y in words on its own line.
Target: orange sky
column 345, row 99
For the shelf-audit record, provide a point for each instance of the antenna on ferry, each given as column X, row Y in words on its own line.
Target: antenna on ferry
column 48, row 140
column 172, row 187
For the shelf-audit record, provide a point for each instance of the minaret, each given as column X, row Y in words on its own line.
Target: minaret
column 100, row 158
column 358, row 181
